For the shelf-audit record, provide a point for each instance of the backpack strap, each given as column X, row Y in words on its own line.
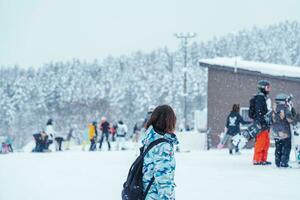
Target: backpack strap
column 148, row 186
column 152, row 144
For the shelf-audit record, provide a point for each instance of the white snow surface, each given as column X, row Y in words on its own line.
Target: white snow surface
column 265, row 68
column 207, row 175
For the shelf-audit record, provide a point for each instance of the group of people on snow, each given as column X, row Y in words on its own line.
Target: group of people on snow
column 277, row 121
column 110, row 133
column 96, row 133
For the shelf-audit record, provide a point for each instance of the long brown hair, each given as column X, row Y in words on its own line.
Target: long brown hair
column 236, row 108
column 163, row 119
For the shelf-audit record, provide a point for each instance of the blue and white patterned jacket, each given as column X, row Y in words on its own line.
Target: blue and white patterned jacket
column 160, row 163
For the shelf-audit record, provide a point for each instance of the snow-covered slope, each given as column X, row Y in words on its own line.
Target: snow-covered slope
column 76, row 175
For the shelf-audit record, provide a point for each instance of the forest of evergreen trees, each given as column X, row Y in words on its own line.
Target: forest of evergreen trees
column 77, row 92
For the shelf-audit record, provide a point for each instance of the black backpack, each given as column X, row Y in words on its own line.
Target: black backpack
column 251, row 112
column 133, row 187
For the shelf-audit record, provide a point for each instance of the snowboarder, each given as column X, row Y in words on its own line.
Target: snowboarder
column 105, row 128
column 232, row 128
column 281, row 130
column 260, row 111
column 262, row 142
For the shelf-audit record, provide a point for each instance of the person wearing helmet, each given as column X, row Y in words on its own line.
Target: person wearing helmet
column 281, row 130
column 262, row 105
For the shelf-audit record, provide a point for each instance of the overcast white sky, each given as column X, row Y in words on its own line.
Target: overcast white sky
column 33, row 32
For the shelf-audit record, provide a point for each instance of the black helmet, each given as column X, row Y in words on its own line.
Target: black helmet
column 264, row 86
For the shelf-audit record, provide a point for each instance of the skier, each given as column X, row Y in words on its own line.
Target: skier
column 121, row 134
column 281, row 130
column 105, row 128
column 92, row 136
column 232, row 127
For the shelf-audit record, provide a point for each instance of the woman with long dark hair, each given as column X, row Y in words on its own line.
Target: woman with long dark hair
column 159, row 162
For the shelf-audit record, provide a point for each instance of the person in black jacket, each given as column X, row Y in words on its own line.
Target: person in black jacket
column 261, row 109
column 232, row 126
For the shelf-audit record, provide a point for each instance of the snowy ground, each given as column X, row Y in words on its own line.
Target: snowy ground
column 75, row 175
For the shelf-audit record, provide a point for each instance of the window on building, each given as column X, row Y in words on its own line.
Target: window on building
column 244, row 113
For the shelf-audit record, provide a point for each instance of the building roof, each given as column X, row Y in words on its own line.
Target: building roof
column 259, row 67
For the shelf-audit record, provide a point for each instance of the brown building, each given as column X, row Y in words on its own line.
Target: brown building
column 232, row 80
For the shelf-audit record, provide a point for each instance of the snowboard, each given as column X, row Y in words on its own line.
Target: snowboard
column 251, row 132
column 241, row 140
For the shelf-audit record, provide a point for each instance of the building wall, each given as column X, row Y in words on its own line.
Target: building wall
column 226, row 88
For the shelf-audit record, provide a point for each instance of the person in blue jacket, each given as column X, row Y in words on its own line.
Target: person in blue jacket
column 159, row 162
